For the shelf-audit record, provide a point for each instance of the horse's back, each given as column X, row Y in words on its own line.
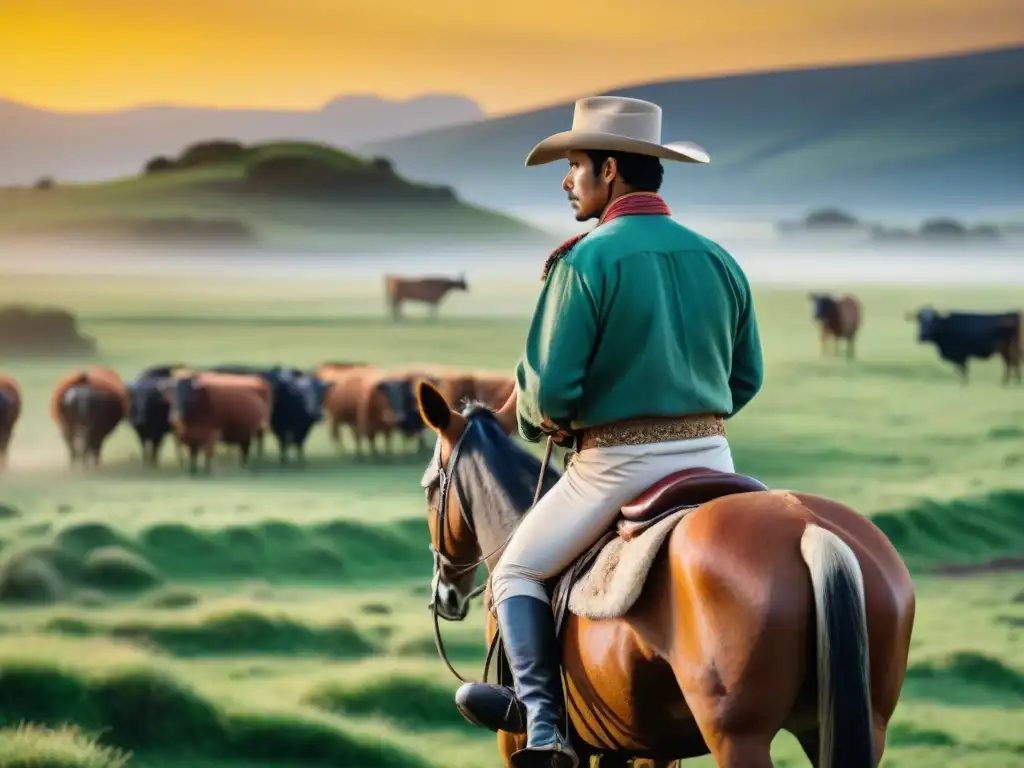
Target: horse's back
column 751, row 526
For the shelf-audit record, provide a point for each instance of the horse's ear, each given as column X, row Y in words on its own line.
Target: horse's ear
column 434, row 409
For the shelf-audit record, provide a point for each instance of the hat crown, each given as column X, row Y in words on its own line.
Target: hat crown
column 619, row 116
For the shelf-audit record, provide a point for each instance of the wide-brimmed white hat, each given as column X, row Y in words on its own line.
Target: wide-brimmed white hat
column 616, row 124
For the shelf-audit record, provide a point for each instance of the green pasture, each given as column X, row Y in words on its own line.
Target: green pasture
column 277, row 616
column 215, row 190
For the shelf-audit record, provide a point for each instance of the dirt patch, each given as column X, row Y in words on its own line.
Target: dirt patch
column 996, row 565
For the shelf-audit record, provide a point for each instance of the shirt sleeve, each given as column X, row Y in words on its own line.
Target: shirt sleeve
column 747, row 362
column 558, row 349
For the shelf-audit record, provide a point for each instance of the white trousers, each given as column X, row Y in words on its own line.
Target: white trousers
column 581, row 507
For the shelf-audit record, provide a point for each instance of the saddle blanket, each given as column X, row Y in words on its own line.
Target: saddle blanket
column 616, row 578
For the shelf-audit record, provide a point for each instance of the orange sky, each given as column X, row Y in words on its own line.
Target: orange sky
column 106, row 54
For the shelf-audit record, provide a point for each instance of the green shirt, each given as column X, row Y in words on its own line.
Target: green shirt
column 642, row 317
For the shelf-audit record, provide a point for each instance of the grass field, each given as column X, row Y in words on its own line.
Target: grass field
column 278, row 617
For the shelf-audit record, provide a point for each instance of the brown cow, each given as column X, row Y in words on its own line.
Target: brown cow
column 88, row 405
column 427, row 290
column 10, row 410
column 207, row 408
column 372, row 401
column 356, row 401
column 837, row 319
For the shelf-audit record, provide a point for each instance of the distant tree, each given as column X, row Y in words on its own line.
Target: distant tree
column 943, row 228
column 829, row 218
column 296, row 174
column 986, row 231
column 45, row 182
column 158, row 164
column 383, row 165
column 214, row 151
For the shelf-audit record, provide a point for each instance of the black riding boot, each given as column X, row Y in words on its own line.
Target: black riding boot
column 527, row 628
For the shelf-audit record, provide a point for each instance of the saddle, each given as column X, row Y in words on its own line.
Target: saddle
column 685, row 488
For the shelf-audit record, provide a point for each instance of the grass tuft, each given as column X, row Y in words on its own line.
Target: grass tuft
column 32, row 746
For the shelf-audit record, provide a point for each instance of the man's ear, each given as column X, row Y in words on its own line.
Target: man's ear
column 610, row 169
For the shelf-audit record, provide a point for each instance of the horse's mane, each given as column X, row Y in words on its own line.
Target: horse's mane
column 512, row 468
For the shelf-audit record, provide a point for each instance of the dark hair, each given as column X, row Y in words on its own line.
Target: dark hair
column 642, row 173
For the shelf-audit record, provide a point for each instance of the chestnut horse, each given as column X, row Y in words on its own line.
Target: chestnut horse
column 765, row 611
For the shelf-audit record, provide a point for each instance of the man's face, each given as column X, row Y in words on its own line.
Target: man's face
column 588, row 191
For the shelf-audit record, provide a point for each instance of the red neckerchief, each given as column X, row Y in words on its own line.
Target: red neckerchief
column 633, row 204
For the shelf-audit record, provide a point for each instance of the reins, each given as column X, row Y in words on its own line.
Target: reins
column 446, row 479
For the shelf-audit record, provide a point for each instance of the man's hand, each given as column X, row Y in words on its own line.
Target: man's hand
column 562, row 438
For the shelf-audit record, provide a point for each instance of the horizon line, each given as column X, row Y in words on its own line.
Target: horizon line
column 723, row 75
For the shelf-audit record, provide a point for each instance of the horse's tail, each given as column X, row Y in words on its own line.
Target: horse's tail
column 845, row 727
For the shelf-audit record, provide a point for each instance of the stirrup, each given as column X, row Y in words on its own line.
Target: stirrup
column 557, row 755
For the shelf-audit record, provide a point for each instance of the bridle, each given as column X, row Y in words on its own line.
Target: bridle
column 446, row 482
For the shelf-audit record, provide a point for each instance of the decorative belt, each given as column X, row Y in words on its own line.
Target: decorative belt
column 646, row 430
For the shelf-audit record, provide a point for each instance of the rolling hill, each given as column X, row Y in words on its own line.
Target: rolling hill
column 940, row 134
column 277, row 195
column 96, row 146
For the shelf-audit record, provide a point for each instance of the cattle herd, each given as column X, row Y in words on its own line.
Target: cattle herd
column 958, row 336
column 237, row 405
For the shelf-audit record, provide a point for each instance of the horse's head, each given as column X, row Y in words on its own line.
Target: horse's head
column 478, row 484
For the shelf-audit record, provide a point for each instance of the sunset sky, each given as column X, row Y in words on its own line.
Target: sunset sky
column 108, row 54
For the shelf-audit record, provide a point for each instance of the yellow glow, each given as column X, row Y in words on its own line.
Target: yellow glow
column 105, row 54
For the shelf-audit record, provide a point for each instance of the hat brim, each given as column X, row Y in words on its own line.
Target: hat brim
column 558, row 146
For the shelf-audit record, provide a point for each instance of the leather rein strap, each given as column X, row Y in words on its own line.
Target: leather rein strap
column 446, row 483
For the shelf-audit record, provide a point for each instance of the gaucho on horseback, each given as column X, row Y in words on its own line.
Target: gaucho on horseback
column 643, row 341
column 688, row 609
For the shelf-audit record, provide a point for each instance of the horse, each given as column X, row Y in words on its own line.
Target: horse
column 764, row 610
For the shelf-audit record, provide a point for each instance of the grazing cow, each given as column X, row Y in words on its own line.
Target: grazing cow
column 427, row 290
column 402, row 409
column 341, row 403
column 88, row 405
column 10, row 410
column 150, row 411
column 960, row 336
column 207, row 408
column 298, row 404
column 297, row 399
column 371, row 402
column 837, row 319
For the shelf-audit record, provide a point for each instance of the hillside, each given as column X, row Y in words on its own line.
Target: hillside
column 284, row 194
column 939, row 134
column 94, row 146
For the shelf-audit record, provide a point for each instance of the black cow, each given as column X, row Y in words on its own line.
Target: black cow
column 401, row 395
column 960, row 336
column 296, row 404
column 150, row 412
